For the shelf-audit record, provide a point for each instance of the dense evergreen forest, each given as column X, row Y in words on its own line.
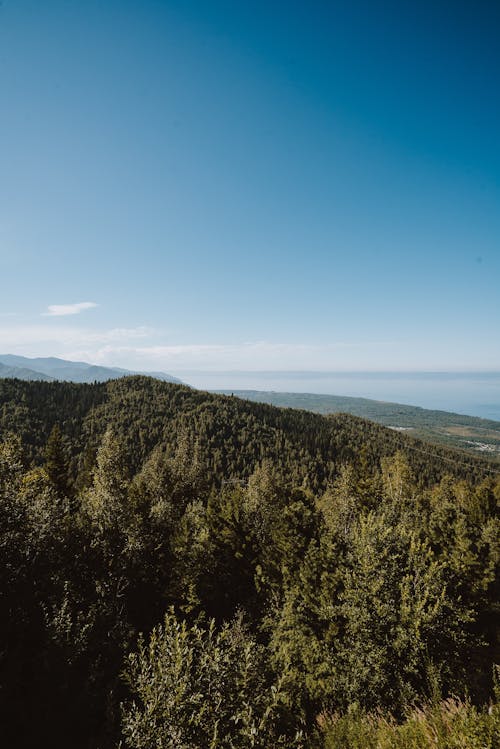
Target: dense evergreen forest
column 468, row 433
column 187, row 570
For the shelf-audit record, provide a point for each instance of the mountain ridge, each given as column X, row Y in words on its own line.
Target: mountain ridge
column 53, row 368
column 235, row 435
column 471, row 433
column 22, row 373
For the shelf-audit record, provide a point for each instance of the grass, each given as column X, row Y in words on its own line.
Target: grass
column 450, row 724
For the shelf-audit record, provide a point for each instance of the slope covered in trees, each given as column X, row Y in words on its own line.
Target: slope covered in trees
column 232, row 435
column 444, row 427
column 298, row 581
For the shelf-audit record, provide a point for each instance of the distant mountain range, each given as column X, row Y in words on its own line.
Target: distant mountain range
column 51, row 369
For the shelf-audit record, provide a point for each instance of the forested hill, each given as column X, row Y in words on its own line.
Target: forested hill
column 299, row 581
column 231, row 436
column 469, row 433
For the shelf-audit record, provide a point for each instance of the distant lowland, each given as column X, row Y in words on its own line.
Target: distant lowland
column 470, row 433
column 471, row 393
column 51, row 368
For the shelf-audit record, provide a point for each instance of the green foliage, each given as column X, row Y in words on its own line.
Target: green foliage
column 451, row 724
column 454, row 430
column 229, row 437
column 56, row 464
column 367, row 578
column 201, row 688
column 396, row 616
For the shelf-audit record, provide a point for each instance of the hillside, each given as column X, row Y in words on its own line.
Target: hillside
column 480, row 436
column 52, row 368
column 177, row 565
column 231, row 434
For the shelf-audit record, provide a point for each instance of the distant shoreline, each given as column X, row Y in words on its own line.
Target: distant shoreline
column 468, row 393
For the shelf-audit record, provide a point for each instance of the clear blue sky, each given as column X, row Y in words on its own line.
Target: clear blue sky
column 251, row 185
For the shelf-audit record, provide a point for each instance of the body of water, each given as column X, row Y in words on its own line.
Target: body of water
column 473, row 393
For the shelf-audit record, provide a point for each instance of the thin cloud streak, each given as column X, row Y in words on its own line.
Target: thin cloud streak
column 249, row 356
column 143, row 348
column 62, row 310
column 35, row 337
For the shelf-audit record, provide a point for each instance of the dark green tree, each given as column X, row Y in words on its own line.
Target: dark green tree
column 56, row 463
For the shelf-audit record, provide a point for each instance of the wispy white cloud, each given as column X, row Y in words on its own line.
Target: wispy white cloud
column 115, row 334
column 61, row 310
column 144, row 349
column 256, row 355
column 49, row 339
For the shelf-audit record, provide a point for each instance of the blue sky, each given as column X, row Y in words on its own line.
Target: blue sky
column 254, row 185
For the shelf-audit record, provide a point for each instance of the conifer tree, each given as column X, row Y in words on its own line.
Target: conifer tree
column 56, row 463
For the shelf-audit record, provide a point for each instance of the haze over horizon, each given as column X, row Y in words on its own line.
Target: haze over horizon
column 214, row 187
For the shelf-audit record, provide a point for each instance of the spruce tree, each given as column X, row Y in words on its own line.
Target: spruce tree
column 56, row 464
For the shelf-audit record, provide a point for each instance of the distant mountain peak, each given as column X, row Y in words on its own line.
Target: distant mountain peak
column 54, row 368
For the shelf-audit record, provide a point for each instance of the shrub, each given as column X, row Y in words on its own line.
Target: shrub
column 202, row 688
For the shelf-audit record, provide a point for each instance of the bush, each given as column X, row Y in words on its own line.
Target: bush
column 197, row 688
